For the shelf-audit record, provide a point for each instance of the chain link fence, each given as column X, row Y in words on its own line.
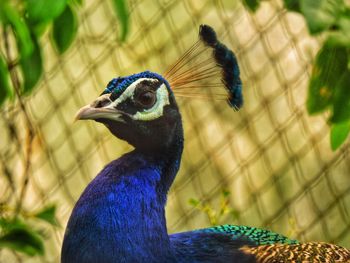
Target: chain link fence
column 273, row 158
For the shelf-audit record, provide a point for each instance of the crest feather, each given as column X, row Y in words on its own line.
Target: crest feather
column 208, row 69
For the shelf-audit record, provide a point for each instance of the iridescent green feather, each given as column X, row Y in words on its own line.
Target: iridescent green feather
column 256, row 235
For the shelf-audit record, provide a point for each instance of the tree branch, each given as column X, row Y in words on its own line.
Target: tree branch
column 30, row 128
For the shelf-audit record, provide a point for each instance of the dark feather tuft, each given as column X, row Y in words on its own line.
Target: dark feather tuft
column 208, row 64
column 226, row 59
column 207, row 35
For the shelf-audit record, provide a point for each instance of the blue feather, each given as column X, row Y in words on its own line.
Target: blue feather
column 118, row 85
column 120, row 215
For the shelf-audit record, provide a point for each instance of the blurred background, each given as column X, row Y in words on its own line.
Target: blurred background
column 269, row 165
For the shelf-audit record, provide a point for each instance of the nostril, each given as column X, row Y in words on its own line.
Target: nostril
column 101, row 102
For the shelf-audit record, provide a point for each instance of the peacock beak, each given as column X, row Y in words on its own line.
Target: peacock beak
column 99, row 109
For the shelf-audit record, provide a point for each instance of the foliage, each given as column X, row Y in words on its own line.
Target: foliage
column 215, row 216
column 26, row 23
column 339, row 133
column 64, row 29
column 328, row 86
column 5, row 90
column 22, row 25
column 122, row 13
column 252, row 4
column 19, row 232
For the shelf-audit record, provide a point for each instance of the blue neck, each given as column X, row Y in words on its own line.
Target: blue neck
column 120, row 217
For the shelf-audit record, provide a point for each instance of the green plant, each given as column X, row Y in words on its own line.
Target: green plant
column 21, row 233
column 26, row 22
column 216, row 215
column 328, row 86
column 22, row 26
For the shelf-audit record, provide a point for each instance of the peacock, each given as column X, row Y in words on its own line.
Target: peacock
column 120, row 216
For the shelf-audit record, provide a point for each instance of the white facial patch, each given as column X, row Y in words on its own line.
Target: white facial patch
column 148, row 114
column 157, row 110
column 128, row 93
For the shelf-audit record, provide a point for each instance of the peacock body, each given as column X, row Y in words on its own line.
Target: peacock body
column 120, row 216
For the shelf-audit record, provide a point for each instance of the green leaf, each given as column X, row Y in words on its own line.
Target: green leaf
column 226, row 193
column 341, row 101
column 5, row 86
column 194, row 202
column 40, row 11
column 341, row 35
column 252, row 5
column 32, row 68
column 321, row 14
column 121, row 10
column 18, row 236
column 22, row 239
column 339, row 133
column 11, row 16
column 48, row 214
column 292, row 5
column 40, row 28
column 330, row 63
column 64, row 29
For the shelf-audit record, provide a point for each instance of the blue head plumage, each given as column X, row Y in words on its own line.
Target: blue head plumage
column 118, row 85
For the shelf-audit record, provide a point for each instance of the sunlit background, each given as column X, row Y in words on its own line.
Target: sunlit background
column 272, row 156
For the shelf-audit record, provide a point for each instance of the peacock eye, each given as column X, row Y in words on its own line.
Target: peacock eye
column 146, row 98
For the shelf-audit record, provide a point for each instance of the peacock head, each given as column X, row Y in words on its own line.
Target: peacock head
column 141, row 108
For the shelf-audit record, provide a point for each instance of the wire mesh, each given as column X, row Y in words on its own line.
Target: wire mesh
column 272, row 156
